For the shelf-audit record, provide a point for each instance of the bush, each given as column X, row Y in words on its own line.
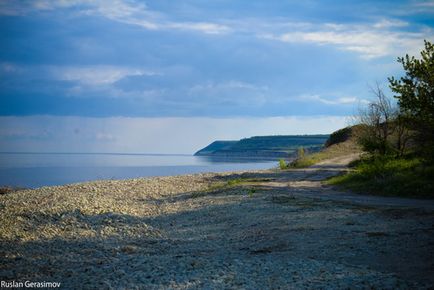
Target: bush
column 304, row 162
column 283, row 164
column 339, row 136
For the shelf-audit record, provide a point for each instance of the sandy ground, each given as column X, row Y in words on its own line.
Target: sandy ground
column 244, row 230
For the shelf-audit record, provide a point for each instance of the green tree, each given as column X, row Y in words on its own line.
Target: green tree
column 415, row 94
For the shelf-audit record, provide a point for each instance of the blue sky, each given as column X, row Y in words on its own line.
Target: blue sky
column 85, row 75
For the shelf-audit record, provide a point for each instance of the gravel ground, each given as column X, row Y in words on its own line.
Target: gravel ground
column 252, row 230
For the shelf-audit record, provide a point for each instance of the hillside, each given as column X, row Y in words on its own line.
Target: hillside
column 264, row 146
column 340, row 143
column 215, row 146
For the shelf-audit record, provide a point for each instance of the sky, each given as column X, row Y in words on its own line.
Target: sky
column 172, row 76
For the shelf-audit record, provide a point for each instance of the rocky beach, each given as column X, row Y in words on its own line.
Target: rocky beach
column 267, row 229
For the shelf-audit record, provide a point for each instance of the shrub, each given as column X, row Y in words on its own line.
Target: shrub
column 283, row 164
column 339, row 136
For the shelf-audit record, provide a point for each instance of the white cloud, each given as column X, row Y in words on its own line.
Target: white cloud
column 117, row 10
column 349, row 100
column 89, row 79
column 370, row 41
column 208, row 28
column 152, row 20
column 388, row 23
column 147, row 135
column 420, row 7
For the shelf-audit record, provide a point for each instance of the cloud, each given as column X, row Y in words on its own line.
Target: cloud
column 208, row 28
column 97, row 74
column 91, row 58
column 228, row 85
column 370, row 41
column 134, row 13
column 417, row 7
column 424, row 4
column 337, row 101
column 388, row 23
column 137, row 83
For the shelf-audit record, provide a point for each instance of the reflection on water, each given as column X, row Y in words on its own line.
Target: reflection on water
column 35, row 170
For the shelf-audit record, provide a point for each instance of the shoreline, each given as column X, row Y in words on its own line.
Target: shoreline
column 7, row 189
column 248, row 229
column 35, row 177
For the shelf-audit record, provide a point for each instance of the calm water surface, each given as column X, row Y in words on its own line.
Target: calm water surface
column 35, row 169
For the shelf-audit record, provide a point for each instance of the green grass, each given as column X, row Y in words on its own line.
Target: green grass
column 242, row 183
column 407, row 177
column 235, row 181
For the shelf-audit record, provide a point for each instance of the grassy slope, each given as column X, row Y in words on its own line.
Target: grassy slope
column 390, row 176
column 335, row 150
column 406, row 177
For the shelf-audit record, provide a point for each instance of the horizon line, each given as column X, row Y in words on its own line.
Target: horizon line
column 96, row 153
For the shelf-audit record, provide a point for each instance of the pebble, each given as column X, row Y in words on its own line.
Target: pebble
column 154, row 233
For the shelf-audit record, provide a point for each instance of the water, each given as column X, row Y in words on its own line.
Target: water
column 36, row 170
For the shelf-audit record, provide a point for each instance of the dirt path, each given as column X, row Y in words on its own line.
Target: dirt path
column 308, row 182
column 251, row 230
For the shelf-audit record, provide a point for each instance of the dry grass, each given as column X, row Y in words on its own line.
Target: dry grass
column 337, row 150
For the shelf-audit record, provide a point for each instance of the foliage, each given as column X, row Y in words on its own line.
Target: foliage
column 263, row 145
column 399, row 139
column 388, row 175
column 235, row 181
column 339, row 136
column 305, row 162
column 415, row 94
column 283, row 164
